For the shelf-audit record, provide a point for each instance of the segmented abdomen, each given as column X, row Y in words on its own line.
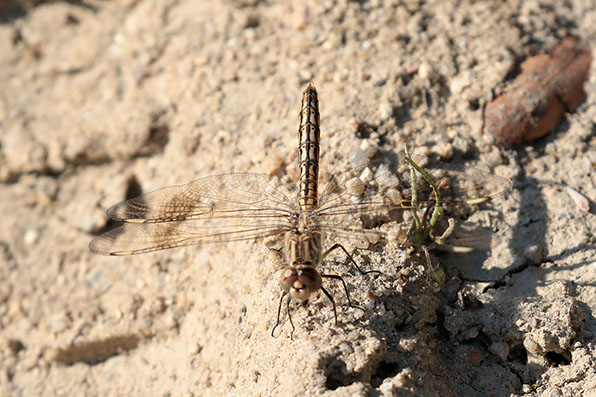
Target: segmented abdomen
column 308, row 149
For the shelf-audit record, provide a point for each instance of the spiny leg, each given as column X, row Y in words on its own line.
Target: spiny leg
column 340, row 278
column 332, row 301
column 276, row 250
column 336, row 246
column 278, row 312
column 290, row 317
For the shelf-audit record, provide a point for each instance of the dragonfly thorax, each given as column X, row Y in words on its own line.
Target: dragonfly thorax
column 305, row 221
column 303, row 252
column 300, row 281
column 303, row 246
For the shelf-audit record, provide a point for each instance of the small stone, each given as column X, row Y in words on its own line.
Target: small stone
column 532, row 346
column 426, row 71
column 444, row 150
column 170, row 321
column 357, row 158
column 493, row 159
column 387, row 388
column 404, row 379
column 366, row 175
column 394, row 196
column 579, row 199
column 274, row 164
column 407, row 344
column 458, row 84
column 394, row 233
column 499, row 349
column 15, row 346
column 372, row 238
column 385, row 110
column 470, row 355
column 300, row 17
column 369, row 148
column 31, row 236
column 534, row 254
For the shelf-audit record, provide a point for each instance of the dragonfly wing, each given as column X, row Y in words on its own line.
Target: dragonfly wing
column 385, row 184
column 383, row 188
column 217, row 208
column 226, row 196
column 466, row 185
column 361, row 236
column 138, row 238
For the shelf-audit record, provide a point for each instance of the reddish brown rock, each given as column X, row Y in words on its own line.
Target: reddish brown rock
column 534, row 104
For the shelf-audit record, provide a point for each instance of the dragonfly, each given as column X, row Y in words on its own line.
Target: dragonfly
column 251, row 206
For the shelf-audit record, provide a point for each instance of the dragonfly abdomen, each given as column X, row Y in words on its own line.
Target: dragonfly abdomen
column 308, row 149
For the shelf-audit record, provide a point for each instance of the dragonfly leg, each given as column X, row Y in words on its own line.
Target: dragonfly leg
column 331, row 299
column 336, row 246
column 340, row 278
column 279, row 313
column 276, row 250
column 290, row 317
column 277, row 256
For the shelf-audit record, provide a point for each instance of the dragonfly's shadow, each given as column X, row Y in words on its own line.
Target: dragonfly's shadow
column 477, row 240
column 133, row 189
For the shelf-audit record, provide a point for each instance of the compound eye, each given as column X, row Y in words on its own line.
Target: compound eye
column 310, row 277
column 288, row 278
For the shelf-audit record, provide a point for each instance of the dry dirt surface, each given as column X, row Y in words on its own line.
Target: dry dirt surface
column 103, row 100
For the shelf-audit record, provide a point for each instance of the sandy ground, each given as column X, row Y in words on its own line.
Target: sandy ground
column 104, row 99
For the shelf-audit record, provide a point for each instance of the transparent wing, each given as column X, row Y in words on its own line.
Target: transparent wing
column 381, row 187
column 217, row 208
column 132, row 238
column 386, row 184
column 235, row 196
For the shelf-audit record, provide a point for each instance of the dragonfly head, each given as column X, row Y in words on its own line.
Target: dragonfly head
column 300, row 281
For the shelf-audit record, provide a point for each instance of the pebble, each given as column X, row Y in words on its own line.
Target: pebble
column 534, row 253
column 387, row 388
column 31, row 236
column 300, row 17
column 385, row 110
column 444, row 150
column 500, row 349
column 369, row 148
column 394, row 196
column 357, row 158
column 532, row 346
column 366, row 175
column 426, row 71
column 579, row 199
